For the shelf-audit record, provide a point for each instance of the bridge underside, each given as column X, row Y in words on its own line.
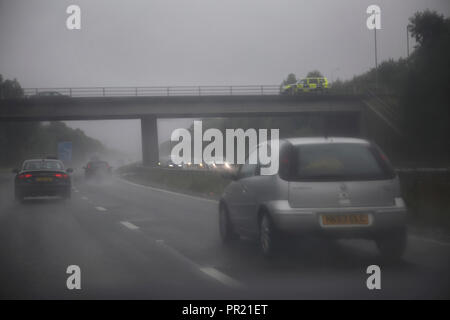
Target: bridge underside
column 342, row 115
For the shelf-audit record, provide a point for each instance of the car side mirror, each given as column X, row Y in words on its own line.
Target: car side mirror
column 15, row 170
column 69, row 170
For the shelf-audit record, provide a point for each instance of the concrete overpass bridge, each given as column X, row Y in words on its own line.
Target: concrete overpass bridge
column 190, row 102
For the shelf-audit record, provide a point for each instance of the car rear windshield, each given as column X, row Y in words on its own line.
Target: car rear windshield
column 337, row 162
column 98, row 164
column 42, row 165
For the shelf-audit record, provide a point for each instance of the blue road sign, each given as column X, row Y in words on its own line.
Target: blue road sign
column 65, row 151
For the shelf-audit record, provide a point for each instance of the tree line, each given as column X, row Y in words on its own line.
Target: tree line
column 417, row 86
column 24, row 139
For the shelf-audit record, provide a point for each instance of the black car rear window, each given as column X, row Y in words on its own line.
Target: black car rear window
column 337, row 162
column 98, row 164
column 43, row 165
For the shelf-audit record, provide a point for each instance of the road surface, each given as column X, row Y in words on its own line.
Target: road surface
column 132, row 241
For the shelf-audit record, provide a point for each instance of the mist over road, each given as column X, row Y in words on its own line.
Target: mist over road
column 132, row 241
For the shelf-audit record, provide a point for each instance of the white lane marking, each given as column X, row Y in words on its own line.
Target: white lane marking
column 129, row 225
column 167, row 191
column 76, row 191
column 84, row 198
column 100, row 209
column 208, row 271
column 221, row 277
column 441, row 243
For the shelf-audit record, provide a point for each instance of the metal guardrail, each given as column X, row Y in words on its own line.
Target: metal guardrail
column 160, row 91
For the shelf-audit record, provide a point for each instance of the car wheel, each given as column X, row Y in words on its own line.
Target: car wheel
column 227, row 233
column 392, row 245
column 268, row 238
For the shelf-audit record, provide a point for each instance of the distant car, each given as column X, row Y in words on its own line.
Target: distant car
column 171, row 164
column 318, row 84
column 330, row 187
column 42, row 177
column 97, row 169
column 289, row 89
column 311, row 84
column 49, row 94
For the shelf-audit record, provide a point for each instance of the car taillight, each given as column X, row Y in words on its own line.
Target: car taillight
column 61, row 175
column 26, row 176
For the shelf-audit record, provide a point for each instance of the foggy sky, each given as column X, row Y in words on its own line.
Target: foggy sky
column 195, row 42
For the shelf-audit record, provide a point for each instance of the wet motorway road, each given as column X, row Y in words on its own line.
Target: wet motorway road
column 132, row 241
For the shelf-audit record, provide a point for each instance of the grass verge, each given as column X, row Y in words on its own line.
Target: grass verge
column 427, row 194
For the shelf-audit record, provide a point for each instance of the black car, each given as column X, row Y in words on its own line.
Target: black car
column 97, row 170
column 42, row 177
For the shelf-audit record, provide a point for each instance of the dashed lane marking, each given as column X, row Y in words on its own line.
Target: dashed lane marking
column 129, row 225
column 221, row 277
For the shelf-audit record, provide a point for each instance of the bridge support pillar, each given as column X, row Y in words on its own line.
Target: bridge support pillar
column 150, row 147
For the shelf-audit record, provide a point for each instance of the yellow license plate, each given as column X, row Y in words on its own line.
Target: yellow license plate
column 345, row 219
column 44, row 179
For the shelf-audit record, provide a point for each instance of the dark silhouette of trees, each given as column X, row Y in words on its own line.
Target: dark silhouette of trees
column 291, row 79
column 419, row 87
column 20, row 140
column 314, row 74
column 426, row 101
column 10, row 89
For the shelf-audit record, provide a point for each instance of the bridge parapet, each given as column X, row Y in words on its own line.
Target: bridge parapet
column 156, row 91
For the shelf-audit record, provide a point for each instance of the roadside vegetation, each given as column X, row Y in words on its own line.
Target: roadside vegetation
column 208, row 184
column 22, row 139
column 418, row 87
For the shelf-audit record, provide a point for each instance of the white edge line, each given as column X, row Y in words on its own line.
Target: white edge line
column 129, row 225
column 101, row 209
column 221, row 277
column 420, row 238
column 207, row 271
column 167, row 191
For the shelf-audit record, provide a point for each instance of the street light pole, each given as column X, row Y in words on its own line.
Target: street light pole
column 376, row 60
column 407, row 41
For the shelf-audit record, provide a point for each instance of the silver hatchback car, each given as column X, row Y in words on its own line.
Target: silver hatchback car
column 330, row 187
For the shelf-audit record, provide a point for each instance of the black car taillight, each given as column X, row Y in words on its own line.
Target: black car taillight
column 61, row 175
column 25, row 176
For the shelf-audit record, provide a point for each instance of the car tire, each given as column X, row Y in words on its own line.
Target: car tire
column 227, row 233
column 268, row 237
column 392, row 245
